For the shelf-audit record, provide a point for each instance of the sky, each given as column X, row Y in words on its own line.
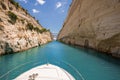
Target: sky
column 50, row 13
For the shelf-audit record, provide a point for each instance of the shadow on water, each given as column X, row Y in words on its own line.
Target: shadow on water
column 99, row 55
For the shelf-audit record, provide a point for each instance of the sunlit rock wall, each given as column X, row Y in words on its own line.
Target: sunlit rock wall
column 18, row 30
column 94, row 24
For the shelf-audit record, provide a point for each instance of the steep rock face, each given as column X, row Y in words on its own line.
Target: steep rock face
column 94, row 24
column 18, row 30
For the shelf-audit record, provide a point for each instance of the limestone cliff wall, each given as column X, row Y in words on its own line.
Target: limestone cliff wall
column 94, row 24
column 18, row 30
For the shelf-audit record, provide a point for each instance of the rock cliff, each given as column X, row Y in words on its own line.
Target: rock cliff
column 18, row 30
column 94, row 24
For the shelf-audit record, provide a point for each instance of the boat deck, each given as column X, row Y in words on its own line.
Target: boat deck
column 45, row 72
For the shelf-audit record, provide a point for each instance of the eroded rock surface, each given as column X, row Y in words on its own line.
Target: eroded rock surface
column 18, row 30
column 94, row 24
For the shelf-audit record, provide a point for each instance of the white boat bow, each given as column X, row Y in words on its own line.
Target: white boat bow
column 45, row 72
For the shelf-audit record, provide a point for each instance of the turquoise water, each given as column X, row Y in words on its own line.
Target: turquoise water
column 83, row 64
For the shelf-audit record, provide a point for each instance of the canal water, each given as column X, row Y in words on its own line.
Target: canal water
column 83, row 64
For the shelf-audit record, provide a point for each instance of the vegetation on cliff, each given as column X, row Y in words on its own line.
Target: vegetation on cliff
column 14, row 3
column 31, row 27
column 12, row 17
column 18, row 29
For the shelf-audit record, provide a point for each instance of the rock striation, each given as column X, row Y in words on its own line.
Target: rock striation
column 18, row 30
column 94, row 24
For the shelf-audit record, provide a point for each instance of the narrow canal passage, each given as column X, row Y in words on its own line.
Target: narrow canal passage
column 83, row 64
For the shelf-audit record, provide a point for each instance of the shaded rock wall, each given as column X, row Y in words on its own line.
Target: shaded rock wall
column 94, row 24
column 18, row 30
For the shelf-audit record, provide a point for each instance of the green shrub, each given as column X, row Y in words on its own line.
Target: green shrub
column 8, row 49
column 23, row 21
column 3, row 6
column 30, row 26
column 36, row 29
column 14, row 3
column 26, row 12
column 12, row 17
column 37, row 21
column 42, row 30
column 10, row 8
